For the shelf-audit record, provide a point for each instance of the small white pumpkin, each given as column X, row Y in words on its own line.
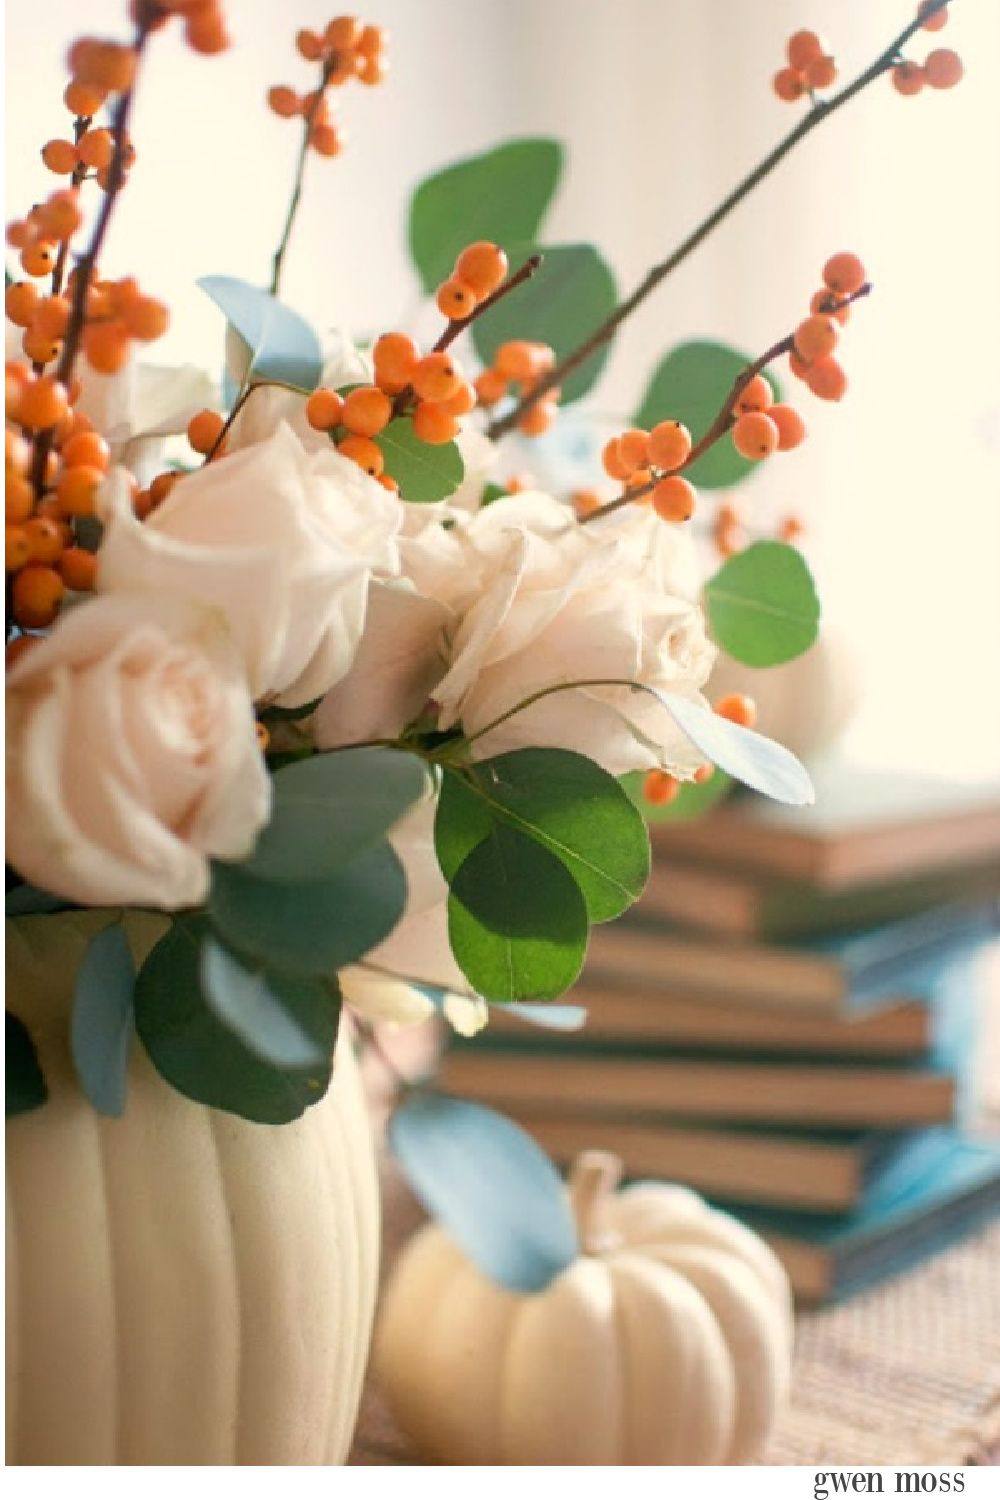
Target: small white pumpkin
column 668, row 1341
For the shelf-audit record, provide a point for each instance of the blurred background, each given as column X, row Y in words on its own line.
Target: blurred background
column 662, row 106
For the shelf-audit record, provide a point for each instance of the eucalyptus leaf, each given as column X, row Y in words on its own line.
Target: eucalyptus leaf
column 499, row 195
column 489, row 1185
column 762, row 605
column 201, row 1057
column 425, row 472
column 690, row 385
column 572, row 292
column 102, row 1021
column 760, row 763
column 24, row 1082
column 260, row 1010
column 328, row 809
column 310, row 927
column 550, row 1016
column 283, row 346
column 566, row 802
column 517, row 920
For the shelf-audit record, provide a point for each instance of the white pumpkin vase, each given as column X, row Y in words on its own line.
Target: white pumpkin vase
column 668, row 1341
column 183, row 1286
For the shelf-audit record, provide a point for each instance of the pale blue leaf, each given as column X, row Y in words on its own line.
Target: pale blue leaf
column 284, row 347
column 552, row 1017
column 103, row 1020
column 254, row 1012
column 760, row 763
column 489, row 1185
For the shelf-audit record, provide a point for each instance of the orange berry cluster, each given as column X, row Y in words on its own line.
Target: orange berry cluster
column 659, row 788
column 649, row 461
column 815, row 339
column 345, row 49
column 763, row 426
column 517, row 367
column 476, row 275
column 810, row 67
column 116, row 313
column 941, row 69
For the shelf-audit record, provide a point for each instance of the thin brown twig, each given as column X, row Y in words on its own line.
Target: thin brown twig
column 308, row 121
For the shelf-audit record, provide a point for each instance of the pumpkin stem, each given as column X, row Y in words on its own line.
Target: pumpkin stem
column 592, row 1180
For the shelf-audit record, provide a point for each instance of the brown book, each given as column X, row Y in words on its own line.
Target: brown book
column 866, row 825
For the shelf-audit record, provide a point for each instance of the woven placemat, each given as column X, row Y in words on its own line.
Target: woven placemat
column 906, row 1373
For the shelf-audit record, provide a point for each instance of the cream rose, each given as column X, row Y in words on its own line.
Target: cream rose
column 281, row 540
column 132, row 754
column 565, row 604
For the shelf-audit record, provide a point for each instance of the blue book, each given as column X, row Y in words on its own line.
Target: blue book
column 921, row 1203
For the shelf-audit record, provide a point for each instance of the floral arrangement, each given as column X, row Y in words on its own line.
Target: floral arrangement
column 363, row 723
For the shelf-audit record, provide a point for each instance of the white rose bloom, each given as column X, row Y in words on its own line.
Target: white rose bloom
column 132, row 754
column 136, row 410
column 281, row 540
column 561, row 604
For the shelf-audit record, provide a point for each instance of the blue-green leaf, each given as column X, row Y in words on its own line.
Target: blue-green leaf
column 425, row 472
column 310, row 927
column 762, row 605
column 517, row 920
column 551, row 1017
column 103, row 1020
column 24, row 1086
column 203, row 1058
column 331, row 808
column 283, row 346
column 257, row 1010
column 690, row 385
column 572, row 292
column 493, row 1190
column 499, row 195
column 760, row 763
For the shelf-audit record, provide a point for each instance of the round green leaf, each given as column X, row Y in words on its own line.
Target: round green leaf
column 489, row 1185
column 517, row 920
column 282, row 345
column 499, row 195
column 572, row 292
column 102, row 1021
column 203, row 1058
column 690, row 385
column 330, row 808
column 762, row 605
column 425, row 472
column 24, row 1085
column 310, row 927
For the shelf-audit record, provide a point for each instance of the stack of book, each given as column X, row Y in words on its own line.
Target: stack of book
column 794, row 1021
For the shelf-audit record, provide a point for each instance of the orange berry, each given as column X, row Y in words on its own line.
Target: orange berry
column 78, row 569
column 40, row 348
column 19, row 497
column 161, row 486
column 60, row 217
column 61, row 157
column 326, row 139
column 659, row 788
column 943, row 68
column 309, row 45
column 83, row 101
column 396, row 357
column 517, row 484
column 821, row 73
column 372, row 41
column 45, row 539
column 43, row 403
column 824, row 301
column 816, row 337
column 669, row 445
column 935, row 20
column 205, row 429
column 21, row 301
column 77, row 488
column 704, row 773
column 106, row 347
column 16, row 548
column 641, row 479
column 756, row 395
column 367, row 409
column 907, row 78
column 455, row 299
column 738, row 708
column 283, row 101
column 790, row 529
column 37, row 593
column 51, row 317
column 436, row 377
column 343, row 34
column 803, row 48
column 205, row 31
column 611, row 458
column 538, row 418
column 755, row 435
column 482, row 266
column 463, row 401
column 388, row 483
column 324, row 409
column 88, row 449
column 633, row 448
column 372, row 70
column 102, row 65
column 362, row 451
column 517, row 359
column 38, row 259
column 826, row 379
column 433, row 424
column 95, row 148
column 263, row 737
column 844, row 274
column 789, row 84
column 490, row 387
column 797, row 364
column 674, row 498
column 145, row 318
column 791, row 428
column 585, row 502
